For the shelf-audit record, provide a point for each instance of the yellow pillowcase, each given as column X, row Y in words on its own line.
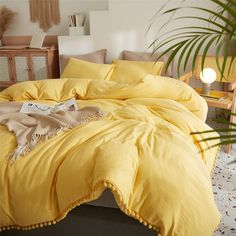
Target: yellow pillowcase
column 131, row 71
column 80, row 69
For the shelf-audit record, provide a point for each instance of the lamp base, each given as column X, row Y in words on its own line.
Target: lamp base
column 206, row 87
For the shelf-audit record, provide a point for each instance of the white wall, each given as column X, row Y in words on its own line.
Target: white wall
column 124, row 26
column 125, row 11
column 117, row 24
column 22, row 25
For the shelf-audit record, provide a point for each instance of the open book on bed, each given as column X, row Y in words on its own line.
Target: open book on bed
column 32, row 107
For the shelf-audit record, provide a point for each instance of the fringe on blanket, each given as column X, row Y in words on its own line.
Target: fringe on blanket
column 22, row 150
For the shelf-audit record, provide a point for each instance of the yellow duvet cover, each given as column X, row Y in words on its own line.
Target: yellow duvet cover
column 142, row 150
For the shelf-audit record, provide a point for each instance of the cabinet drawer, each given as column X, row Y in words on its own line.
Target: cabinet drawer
column 39, row 67
column 18, row 65
column 5, row 74
column 21, row 68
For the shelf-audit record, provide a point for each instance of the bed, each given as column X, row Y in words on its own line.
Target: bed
column 140, row 154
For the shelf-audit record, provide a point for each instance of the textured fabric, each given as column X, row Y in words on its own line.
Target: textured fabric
column 30, row 129
column 76, row 68
column 46, row 12
column 142, row 151
column 145, row 56
column 132, row 71
column 95, row 57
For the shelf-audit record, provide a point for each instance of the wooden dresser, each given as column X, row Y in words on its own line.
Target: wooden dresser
column 18, row 63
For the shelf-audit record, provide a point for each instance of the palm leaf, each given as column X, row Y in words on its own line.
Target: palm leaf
column 224, row 121
column 191, row 44
column 157, row 15
column 172, row 55
column 216, row 14
column 178, row 32
column 223, row 130
column 225, row 139
column 203, row 29
column 200, row 44
column 170, row 49
column 189, row 41
column 231, row 3
column 218, row 54
column 207, row 47
column 195, row 42
column 184, row 50
column 170, row 40
column 218, row 137
column 226, row 6
column 231, row 61
column 190, row 51
column 222, row 143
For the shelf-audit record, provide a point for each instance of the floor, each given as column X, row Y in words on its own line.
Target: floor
column 224, row 188
column 224, row 184
column 90, row 221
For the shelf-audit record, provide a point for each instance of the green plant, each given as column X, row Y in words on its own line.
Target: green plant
column 227, row 135
column 218, row 28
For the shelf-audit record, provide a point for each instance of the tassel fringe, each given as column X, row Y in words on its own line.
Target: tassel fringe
column 95, row 193
column 22, row 150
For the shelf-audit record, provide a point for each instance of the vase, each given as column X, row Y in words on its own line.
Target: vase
column 76, row 31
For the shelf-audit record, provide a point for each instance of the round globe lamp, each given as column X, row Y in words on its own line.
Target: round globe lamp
column 207, row 76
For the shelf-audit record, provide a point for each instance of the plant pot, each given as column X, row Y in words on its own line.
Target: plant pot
column 76, row 31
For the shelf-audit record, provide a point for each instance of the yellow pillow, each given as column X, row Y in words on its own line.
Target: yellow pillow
column 80, row 69
column 131, row 71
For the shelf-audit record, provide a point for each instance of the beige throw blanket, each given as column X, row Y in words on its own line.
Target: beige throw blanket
column 30, row 129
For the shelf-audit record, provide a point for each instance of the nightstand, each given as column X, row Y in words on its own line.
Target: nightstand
column 218, row 99
column 20, row 63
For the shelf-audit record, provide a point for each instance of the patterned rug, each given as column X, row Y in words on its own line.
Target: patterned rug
column 224, row 188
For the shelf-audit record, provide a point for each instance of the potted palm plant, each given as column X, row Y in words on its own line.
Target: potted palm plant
column 213, row 27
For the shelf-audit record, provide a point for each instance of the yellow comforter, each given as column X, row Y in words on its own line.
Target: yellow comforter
column 142, row 151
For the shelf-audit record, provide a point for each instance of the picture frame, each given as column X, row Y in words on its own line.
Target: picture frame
column 37, row 40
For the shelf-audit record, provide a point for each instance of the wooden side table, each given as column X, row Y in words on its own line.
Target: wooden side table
column 19, row 63
column 226, row 101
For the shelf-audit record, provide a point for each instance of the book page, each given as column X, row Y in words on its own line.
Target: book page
column 32, row 107
column 37, row 40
